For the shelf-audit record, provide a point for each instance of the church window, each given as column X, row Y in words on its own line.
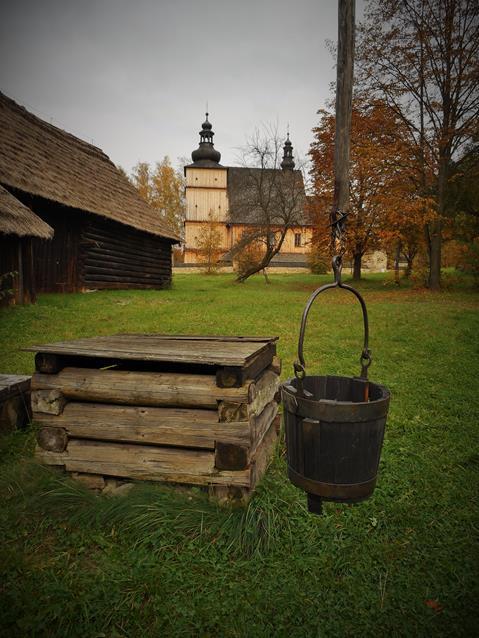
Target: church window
column 297, row 240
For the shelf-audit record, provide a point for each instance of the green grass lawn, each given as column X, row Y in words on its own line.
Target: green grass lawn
column 164, row 563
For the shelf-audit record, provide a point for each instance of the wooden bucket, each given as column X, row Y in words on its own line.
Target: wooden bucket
column 334, row 427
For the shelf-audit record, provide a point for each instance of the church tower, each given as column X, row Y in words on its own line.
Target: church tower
column 206, row 192
column 288, row 162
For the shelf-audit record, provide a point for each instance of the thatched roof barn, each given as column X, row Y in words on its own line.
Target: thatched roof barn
column 105, row 235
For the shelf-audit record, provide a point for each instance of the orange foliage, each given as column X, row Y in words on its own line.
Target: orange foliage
column 385, row 205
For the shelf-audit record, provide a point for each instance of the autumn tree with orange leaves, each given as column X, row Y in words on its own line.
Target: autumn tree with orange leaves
column 422, row 58
column 163, row 188
column 384, row 205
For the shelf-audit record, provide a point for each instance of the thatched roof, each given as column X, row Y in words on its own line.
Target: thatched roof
column 17, row 219
column 43, row 160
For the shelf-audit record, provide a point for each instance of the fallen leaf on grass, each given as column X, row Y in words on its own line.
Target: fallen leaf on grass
column 434, row 604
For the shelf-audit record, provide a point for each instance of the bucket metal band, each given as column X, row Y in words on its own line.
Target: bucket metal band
column 343, row 492
column 333, row 411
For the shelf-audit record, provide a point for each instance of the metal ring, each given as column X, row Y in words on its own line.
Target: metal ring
column 365, row 357
column 299, row 371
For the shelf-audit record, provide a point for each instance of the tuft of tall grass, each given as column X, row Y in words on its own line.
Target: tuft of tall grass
column 159, row 517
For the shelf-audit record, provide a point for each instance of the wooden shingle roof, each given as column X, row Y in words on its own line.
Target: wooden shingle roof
column 17, row 219
column 41, row 159
column 244, row 188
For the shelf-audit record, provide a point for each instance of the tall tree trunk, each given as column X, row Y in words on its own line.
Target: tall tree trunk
column 409, row 260
column 435, row 227
column 396, row 262
column 434, row 280
column 357, row 266
column 261, row 266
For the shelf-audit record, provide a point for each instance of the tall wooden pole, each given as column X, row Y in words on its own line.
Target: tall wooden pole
column 344, row 95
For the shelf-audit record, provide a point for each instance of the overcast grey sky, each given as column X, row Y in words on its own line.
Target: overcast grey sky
column 133, row 77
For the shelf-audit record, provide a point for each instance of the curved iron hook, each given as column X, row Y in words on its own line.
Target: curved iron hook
column 365, row 358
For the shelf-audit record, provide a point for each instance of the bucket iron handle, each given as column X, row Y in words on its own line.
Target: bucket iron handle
column 365, row 358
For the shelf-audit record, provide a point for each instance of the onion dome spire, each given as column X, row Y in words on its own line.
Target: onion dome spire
column 206, row 150
column 288, row 162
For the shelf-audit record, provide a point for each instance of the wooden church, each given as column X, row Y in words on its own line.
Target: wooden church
column 221, row 195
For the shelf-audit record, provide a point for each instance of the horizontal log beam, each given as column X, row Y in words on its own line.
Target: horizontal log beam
column 147, row 425
column 142, row 388
column 109, row 269
column 230, row 455
column 124, row 266
column 107, row 237
column 118, row 285
column 265, row 391
column 118, row 279
column 192, row 467
column 89, row 251
column 236, row 376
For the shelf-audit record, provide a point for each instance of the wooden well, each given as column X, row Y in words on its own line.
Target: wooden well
column 177, row 409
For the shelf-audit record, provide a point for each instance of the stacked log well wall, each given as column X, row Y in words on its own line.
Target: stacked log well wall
column 159, row 425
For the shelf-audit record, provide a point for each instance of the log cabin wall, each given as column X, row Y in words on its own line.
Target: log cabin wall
column 88, row 251
column 117, row 256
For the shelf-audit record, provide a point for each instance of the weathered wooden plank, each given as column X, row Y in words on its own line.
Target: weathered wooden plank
column 141, row 388
column 222, row 338
column 231, row 455
column 158, row 348
column 259, row 465
column 261, row 423
column 13, row 385
column 141, row 462
column 264, row 455
column 234, row 377
column 265, row 391
column 148, row 425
